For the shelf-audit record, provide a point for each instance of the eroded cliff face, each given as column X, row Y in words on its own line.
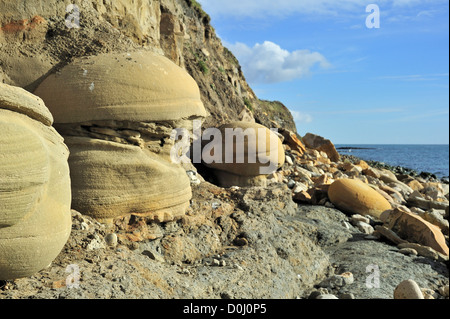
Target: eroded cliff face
column 40, row 37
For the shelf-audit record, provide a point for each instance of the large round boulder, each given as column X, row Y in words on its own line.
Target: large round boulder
column 243, row 153
column 356, row 197
column 35, row 195
column 117, row 113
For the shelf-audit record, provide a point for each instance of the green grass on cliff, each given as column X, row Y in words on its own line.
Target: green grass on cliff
column 206, row 19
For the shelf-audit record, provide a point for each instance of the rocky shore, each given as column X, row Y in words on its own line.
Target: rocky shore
column 254, row 243
column 93, row 205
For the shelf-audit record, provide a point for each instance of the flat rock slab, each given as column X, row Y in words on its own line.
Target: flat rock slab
column 365, row 258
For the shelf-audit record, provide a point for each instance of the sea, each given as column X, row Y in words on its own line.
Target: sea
column 421, row 158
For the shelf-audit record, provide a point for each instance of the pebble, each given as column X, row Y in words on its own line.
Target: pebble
column 364, row 227
column 346, row 225
column 359, row 218
column 338, row 280
column 408, row 251
column 328, row 296
column 84, row 226
column 289, row 160
column 193, row 178
column 347, row 296
column 111, row 240
column 444, row 291
column 428, row 293
column 317, row 293
column 408, row 289
column 291, row 183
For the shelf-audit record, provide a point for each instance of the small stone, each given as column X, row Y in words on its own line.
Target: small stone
column 215, row 262
column 193, row 178
column 111, row 240
column 328, row 296
column 289, row 160
column 346, row 225
column 338, row 280
column 364, row 227
column 348, row 278
column 359, row 218
column 300, row 187
column 291, row 184
column 408, row 289
column 408, row 251
column 347, row 296
column 84, row 226
column 421, row 250
column 317, row 293
column 428, row 293
column 444, row 291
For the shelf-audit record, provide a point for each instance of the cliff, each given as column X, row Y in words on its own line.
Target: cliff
column 40, row 37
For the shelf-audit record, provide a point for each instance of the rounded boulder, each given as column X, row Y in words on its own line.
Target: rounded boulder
column 35, row 195
column 355, row 197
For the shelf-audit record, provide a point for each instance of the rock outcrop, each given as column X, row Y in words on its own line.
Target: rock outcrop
column 47, row 37
column 117, row 113
column 35, row 196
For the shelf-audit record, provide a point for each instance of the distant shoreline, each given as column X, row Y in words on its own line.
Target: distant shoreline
column 355, row 148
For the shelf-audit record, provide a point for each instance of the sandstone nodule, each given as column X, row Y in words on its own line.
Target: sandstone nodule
column 356, row 197
column 35, row 196
column 246, row 153
column 117, row 113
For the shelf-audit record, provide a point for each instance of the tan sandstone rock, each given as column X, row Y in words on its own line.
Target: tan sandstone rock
column 291, row 139
column 243, row 154
column 354, row 196
column 138, row 87
column 35, row 196
column 321, row 144
column 415, row 229
column 118, row 113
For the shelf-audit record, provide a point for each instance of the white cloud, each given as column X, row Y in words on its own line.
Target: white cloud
column 301, row 117
column 269, row 63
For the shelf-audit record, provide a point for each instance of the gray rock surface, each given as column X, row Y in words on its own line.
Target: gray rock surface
column 251, row 243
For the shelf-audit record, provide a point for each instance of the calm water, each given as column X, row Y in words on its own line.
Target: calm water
column 421, row 158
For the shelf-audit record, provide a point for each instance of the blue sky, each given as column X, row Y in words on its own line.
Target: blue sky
column 340, row 79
